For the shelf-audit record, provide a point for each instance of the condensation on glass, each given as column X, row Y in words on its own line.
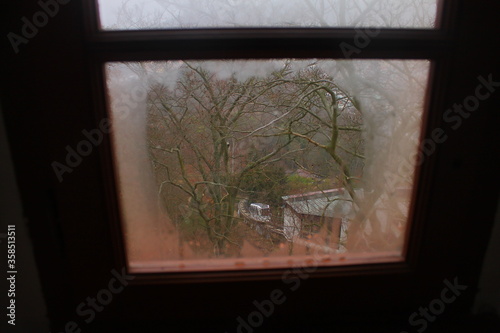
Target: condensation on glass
column 230, row 165
column 186, row 14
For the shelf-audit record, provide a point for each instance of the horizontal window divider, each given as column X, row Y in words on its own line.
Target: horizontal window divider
column 268, row 43
column 268, row 33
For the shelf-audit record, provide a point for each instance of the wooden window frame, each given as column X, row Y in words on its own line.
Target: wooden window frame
column 267, row 43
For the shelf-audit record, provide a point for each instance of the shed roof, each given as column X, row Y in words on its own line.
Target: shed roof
column 331, row 203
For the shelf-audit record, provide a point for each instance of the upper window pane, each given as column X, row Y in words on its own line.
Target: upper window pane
column 165, row 14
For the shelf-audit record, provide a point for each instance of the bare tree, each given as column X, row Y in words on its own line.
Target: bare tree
column 200, row 134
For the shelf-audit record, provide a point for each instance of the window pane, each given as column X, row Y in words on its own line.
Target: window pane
column 165, row 14
column 258, row 164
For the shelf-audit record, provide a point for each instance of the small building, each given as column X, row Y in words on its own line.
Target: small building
column 305, row 214
column 260, row 211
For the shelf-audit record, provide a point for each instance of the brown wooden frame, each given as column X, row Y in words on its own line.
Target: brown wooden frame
column 107, row 46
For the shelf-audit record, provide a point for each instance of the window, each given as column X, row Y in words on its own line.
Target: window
column 164, row 14
column 189, row 166
column 231, row 165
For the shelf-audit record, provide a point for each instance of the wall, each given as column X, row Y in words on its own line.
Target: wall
column 31, row 312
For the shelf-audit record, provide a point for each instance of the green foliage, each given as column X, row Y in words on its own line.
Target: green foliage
column 266, row 185
column 297, row 183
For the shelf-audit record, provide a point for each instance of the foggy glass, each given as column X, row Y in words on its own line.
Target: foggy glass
column 165, row 14
column 229, row 164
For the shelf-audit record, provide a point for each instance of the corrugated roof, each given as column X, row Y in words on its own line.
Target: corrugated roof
column 332, row 204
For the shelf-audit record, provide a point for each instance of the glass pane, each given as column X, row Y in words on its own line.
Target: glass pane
column 166, row 14
column 256, row 164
